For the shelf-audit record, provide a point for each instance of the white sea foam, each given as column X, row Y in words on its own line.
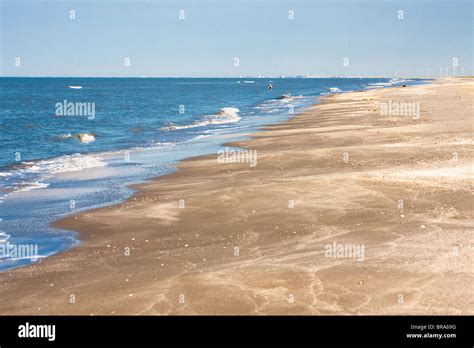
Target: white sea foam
column 67, row 163
column 280, row 104
column 334, row 89
column 65, row 136
column 34, row 174
column 85, row 138
column 28, row 186
column 74, row 87
column 288, row 97
column 201, row 136
column 4, row 237
column 391, row 82
column 35, row 257
column 225, row 115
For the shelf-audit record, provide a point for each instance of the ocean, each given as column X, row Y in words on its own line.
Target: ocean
column 73, row 144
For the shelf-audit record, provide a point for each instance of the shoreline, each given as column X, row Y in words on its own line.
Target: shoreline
column 233, row 144
column 102, row 159
column 182, row 260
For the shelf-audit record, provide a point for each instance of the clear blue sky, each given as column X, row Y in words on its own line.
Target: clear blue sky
column 213, row 32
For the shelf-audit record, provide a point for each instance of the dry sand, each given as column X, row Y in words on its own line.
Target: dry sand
column 252, row 240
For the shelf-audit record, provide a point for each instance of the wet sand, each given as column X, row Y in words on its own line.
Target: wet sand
column 228, row 238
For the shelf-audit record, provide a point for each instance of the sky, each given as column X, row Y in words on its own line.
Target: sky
column 222, row 38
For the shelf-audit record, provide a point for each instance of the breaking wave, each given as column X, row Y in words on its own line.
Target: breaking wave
column 225, row 115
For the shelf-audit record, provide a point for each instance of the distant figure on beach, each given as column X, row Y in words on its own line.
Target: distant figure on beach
column 270, row 87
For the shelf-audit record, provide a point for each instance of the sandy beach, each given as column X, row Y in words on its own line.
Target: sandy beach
column 361, row 205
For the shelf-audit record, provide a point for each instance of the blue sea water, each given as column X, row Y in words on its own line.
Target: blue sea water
column 53, row 163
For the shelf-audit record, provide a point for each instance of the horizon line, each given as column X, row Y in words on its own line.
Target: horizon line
column 244, row 77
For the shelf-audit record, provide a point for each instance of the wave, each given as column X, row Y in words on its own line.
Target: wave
column 288, row 97
column 281, row 103
column 225, row 115
column 74, row 87
column 246, row 81
column 34, row 257
column 32, row 175
column 4, row 237
column 67, row 163
column 391, row 82
column 28, row 186
column 201, row 136
column 334, row 89
column 85, row 138
column 62, row 137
